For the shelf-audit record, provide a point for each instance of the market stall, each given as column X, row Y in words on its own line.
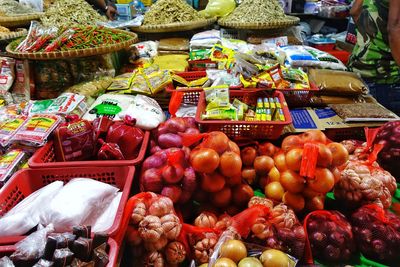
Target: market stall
column 182, row 137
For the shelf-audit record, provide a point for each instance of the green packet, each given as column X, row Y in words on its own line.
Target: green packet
column 199, row 54
column 217, row 96
column 227, row 113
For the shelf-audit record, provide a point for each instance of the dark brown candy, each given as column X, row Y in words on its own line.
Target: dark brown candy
column 44, row 263
column 62, row 257
column 83, row 248
column 99, row 239
column 51, row 245
column 100, row 256
column 79, row 263
column 82, row 231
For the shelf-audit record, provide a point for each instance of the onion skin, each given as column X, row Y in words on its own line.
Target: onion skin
column 169, row 140
column 176, row 125
column 154, row 161
column 151, row 180
column 173, row 192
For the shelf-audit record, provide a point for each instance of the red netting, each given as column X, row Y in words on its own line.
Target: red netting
column 329, row 235
column 377, row 233
column 243, row 222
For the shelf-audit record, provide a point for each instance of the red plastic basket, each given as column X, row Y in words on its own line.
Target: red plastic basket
column 25, row 182
column 248, row 129
column 44, row 157
column 191, row 95
column 113, row 250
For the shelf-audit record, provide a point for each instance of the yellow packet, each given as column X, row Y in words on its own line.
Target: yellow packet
column 157, row 81
column 272, row 106
column 278, row 103
column 266, row 103
column 220, row 114
column 138, row 85
column 217, row 96
column 237, row 102
column 247, row 83
column 195, row 83
column 279, row 116
column 121, row 82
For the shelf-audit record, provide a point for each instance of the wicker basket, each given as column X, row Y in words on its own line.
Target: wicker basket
column 287, row 22
column 76, row 53
column 13, row 35
column 174, row 27
column 19, row 21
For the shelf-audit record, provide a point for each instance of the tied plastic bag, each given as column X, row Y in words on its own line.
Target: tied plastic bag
column 106, row 220
column 218, row 8
column 154, row 230
column 146, row 111
column 80, row 200
column 32, row 247
column 330, row 236
column 26, row 214
column 377, row 233
column 109, row 105
column 6, row 262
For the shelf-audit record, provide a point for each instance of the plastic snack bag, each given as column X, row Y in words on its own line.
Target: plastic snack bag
column 9, row 163
column 218, row 8
column 8, row 129
column 36, row 129
column 7, row 74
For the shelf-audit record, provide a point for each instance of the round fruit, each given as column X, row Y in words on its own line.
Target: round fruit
column 232, row 181
column 314, row 136
column 339, row 153
column 250, row 262
column 324, row 156
column 233, row 147
column 275, row 258
column 263, row 164
column 222, row 198
column 230, row 164
column 274, row 175
column 323, row 181
column 248, row 155
column 242, row 194
column 315, row 203
column 212, row 182
column 204, row 160
column 292, row 181
column 224, row 262
column 290, row 142
column 293, row 159
column 217, row 141
column 234, row 250
column 280, row 162
column 295, row 201
column 309, row 193
column 274, row 191
column 249, row 174
column 336, row 173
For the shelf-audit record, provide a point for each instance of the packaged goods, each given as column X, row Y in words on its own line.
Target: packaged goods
column 109, row 105
column 363, row 112
column 174, row 44
column 9, row 127
column 21, row 87
column 218, row 8
column 7, row 73
column 172, row 62
column 9, row 163
column 337, row 82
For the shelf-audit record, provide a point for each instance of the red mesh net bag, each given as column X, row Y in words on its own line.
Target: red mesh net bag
column 377, row 233
column 154, row 231
column 329, row 235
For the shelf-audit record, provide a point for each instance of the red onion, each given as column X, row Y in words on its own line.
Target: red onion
column 169, row 140
column 151, row 180
column 172, row 174
column 173, row 192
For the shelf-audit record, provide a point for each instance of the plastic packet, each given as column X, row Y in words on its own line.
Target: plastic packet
column 127, row 136
column 7, row 73
column 139, row 85
column 36, row 129
column 116, row 24
column 9, row 164
column 6, row 262
column 174, row 44
column 77, row 202
column 158, row 80
column 199, row 54
column 106, row 220
column 33, row 34
column 329, row 237
column 146, row 49
column 218, row 8
column 172, row 62
column 21, row 88
column 74, row 141
column 26, row 214
column 91, row 89
column 109, row 105
column 9, row 127
column 338, row 82
column 194, row 83
column 60, row 40
column 206, row 39
column 217, row 97
column 32, row 247
column 146, row 111
column 363, row 112
column 38, row 37
column 109, row 151
column 226, row 77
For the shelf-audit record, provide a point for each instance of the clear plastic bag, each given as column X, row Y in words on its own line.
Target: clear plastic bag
column 79, row 201
column 106, row 220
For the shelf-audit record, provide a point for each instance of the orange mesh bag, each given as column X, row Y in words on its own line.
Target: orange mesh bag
column 377, row 233
column 329, row 237
column 153, row 230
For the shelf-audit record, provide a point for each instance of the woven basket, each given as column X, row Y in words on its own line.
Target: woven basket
column 19, row 21
column 12, row 35
column 76, row 53
column 287, row 22
column 174, row 27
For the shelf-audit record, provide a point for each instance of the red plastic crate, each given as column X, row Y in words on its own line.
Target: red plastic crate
column 191, row 95
column 341, row 55
column 27, row 181
column 113, row 250
column 248, row 129
column 202, row 64
column 45, row 157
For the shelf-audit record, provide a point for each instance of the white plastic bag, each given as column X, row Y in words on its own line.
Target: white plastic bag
column 106, row 220
column 109, row 105
column 206, row 39
column 26, row 214
column 146, row 111
column 78, row 201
